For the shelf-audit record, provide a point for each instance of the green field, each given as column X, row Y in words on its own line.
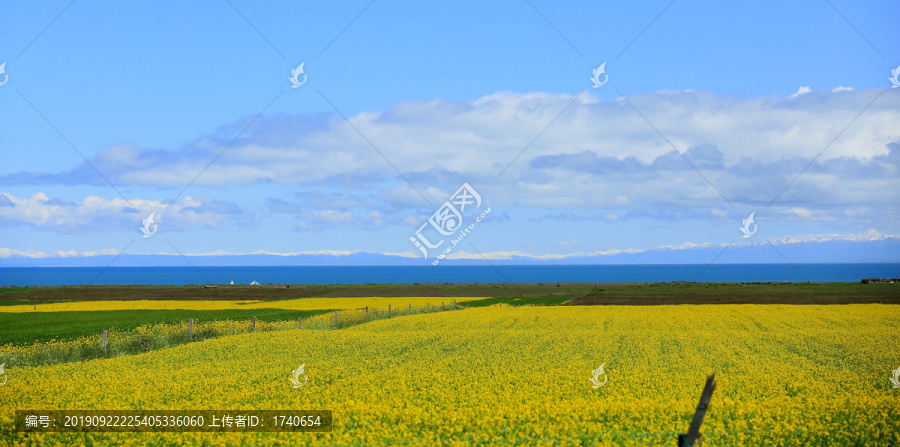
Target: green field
column 34, row 327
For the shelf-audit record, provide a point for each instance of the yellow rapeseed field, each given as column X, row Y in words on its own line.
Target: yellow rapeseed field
column 787, row 376
column 295, row 304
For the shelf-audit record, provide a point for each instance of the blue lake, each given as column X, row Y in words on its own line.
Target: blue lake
column 54, row 276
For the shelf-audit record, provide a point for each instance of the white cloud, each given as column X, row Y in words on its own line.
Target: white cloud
column 95, row 213
column 802, row 91
column 332, row 216
column 807, row 215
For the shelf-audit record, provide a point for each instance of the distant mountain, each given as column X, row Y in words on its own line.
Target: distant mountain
column 819, row 249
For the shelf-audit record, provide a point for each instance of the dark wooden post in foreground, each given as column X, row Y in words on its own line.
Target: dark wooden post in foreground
column 190, row 328
column 103, row 340
column 253, row 328
column 389, row 310
column 299, row 322
column 693, row 436
column 367, row 312
column 335, row 318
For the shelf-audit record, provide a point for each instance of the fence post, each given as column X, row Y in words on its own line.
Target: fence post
column 367, row 312
column 299, row 322
column 190, row 328
column 103, row 340
column 410, row 308
column 442, row 305
column 335, row 318
column 389, row 310
column 253, row 328
column 693, row 435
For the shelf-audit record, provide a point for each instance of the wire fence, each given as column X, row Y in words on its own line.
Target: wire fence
column 149, row 337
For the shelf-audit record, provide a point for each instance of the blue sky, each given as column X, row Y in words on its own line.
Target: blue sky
column 710, row 111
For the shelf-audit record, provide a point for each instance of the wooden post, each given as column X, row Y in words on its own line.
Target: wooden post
column 190, row 328
column 693, row 436
column 442, row 305
column 367, row 312
column 335, row 317
column 299, row 322
column 253, row 328
column 410, row 308
column 389, row 310
column 103, row 340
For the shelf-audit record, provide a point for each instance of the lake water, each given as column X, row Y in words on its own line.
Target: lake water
column 55, row 276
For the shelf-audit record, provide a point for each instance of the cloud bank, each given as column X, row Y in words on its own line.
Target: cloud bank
column 662, row 156
column 595, row 154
